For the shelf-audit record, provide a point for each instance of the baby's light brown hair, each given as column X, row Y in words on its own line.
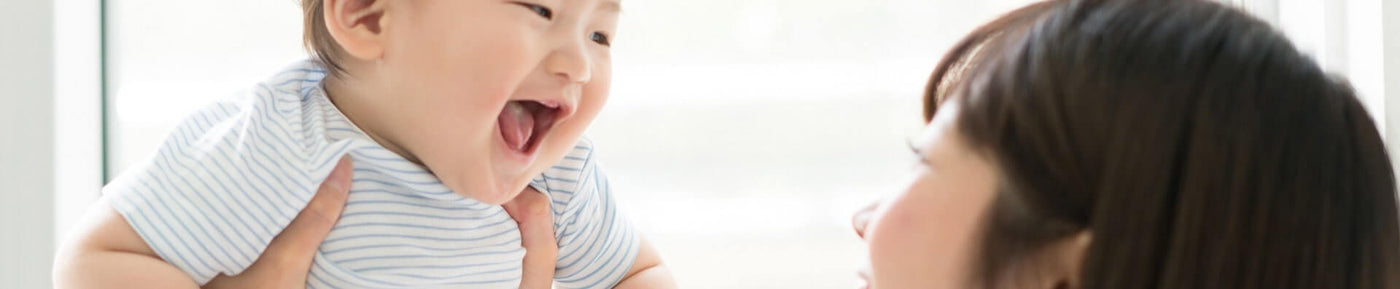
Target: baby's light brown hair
column 317, row 38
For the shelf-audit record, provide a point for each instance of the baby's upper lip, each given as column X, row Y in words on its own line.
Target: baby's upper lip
column 563, row 106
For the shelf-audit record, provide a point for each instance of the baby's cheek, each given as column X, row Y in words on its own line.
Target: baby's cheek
column 589, row 106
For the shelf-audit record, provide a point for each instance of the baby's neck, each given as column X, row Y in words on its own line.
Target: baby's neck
column 357, row 103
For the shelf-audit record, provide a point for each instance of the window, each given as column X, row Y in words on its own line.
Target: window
column 167, row 58
column 740, row 134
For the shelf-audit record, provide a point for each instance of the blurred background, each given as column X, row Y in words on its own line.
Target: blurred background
column 740, row 134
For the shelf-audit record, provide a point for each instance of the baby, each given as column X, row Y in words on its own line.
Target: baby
column 448, row 108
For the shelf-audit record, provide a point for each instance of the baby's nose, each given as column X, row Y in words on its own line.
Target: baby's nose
column 861, row 219
column 571, row 63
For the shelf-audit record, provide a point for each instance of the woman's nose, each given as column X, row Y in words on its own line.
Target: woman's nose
column 861, row 219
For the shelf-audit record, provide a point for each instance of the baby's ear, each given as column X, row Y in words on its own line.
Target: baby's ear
column 358, row 26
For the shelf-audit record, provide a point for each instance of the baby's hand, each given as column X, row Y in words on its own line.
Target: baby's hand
column 531, row 212
column 287, row 260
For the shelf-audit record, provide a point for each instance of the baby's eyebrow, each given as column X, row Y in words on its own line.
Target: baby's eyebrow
column 611, row 6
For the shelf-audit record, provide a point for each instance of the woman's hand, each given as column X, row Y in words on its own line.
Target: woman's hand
column 287, row 261
column 531, row 212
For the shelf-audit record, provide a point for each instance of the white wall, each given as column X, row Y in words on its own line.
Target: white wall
column 26, row 144
column 50, row 130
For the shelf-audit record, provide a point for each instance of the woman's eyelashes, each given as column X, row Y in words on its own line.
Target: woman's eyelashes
column 921, row 158
column 543, row 12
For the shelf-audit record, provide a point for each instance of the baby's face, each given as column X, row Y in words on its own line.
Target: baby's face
column 490, row 93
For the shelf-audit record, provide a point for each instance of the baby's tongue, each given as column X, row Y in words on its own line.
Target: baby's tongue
column 516, row 125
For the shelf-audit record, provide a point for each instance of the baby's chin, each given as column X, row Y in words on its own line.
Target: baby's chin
column 500, row 197
column 482, row 189
column 500, row 180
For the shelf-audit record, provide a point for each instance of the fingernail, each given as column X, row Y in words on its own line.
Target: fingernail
column 342, row 174
column 346, row 163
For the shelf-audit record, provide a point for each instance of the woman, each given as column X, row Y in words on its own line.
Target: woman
column 1138, row 144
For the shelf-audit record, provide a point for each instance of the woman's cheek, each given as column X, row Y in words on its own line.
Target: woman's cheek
column 923, row 238
column 895, row 247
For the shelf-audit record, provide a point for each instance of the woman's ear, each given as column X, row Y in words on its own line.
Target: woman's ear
column 358, row 26
column 1065, row 260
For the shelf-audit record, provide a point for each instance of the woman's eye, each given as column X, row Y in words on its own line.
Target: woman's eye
column 918, row 155
column 600, row 38
column 539, row 10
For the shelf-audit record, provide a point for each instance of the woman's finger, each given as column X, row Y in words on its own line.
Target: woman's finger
column 531, row 212
column 291, row 252
column 287, row 260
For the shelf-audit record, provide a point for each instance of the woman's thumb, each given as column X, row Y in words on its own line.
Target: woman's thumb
column 296, row 246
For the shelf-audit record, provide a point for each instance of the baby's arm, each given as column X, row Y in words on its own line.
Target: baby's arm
column 647, row 271
column 103, row 251
column 598, row 247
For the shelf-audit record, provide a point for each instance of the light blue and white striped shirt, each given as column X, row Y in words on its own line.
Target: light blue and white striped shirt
column 231, row 176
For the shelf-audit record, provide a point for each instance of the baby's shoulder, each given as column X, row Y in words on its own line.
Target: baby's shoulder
column 270, row 115
column 262, row 128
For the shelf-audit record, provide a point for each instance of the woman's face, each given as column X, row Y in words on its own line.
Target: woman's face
column 924, row 236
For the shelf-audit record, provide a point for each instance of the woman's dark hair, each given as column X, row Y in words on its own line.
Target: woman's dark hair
column 1194, row 143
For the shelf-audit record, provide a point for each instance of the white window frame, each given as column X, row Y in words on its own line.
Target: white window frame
column 79, row 154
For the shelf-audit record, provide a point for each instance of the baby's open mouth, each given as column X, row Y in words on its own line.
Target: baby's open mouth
column 524, row 123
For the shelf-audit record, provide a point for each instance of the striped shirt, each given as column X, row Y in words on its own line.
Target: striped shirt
column 232, row 175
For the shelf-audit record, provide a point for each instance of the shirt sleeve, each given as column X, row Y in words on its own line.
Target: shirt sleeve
column 597, row 245
column 217, row 191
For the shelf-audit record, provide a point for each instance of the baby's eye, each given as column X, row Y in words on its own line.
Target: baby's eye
column 600, row 38
column 539, row 10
